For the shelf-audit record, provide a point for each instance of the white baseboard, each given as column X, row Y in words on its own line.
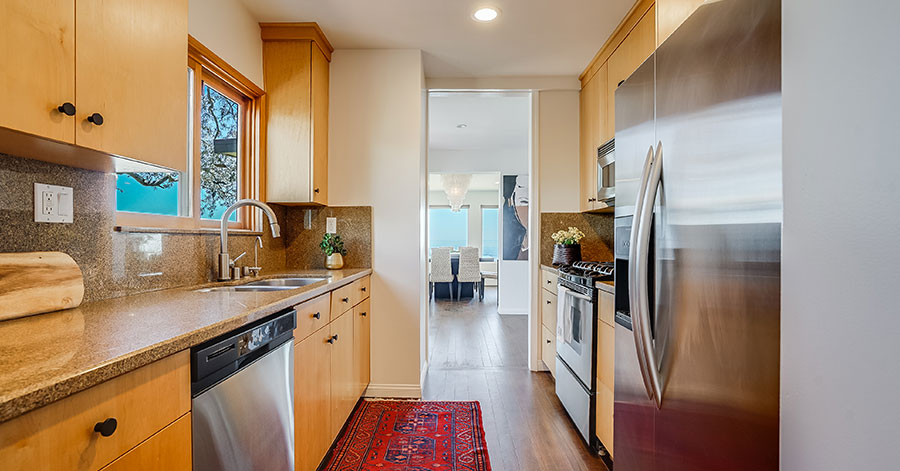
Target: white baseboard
column 394, row 390
column 511, row 313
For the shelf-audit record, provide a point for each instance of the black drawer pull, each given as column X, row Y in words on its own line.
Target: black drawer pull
column 317, row 315
column 363, row 314
column 363, row 289
column 96, row 119
column 330, row 340
column 548, row 340
column 345, row 300
column 107, row 427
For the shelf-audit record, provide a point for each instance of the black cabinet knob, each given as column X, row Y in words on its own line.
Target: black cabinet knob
column 548, row 340
column 548, row 301
column 334, row 337
column 96, row 118
column 330, row 340
column 317, row 315
column 363, row 314
column 67, row 109
column 363, row 289
column 315, row 190
column 107, row 427
column 345, row 300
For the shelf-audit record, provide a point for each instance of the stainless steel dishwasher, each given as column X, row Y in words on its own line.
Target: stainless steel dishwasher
column 242, row 389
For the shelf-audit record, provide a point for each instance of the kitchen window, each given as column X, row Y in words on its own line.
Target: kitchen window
column 224, row 112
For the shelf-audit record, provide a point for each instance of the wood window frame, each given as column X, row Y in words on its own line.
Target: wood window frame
column 209, row 67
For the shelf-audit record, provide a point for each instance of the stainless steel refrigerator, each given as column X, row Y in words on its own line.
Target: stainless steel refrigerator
column 698, row 246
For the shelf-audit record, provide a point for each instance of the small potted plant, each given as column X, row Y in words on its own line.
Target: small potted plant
column 334, row 250
column 567, row 250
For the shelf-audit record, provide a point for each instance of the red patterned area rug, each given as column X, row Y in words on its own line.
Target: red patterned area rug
column 412, row 436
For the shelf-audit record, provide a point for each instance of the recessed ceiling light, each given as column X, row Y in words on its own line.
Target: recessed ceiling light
column 486, row 14
column 462, row 125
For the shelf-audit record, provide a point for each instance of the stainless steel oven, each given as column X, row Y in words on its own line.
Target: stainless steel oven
column 575, row 354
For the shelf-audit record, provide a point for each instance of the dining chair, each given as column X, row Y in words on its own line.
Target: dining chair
column 441, row 270
column 487, row 275
column 469, row 270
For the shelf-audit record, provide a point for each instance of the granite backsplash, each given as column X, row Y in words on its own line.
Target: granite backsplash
column 118, row 263
column 598, row 230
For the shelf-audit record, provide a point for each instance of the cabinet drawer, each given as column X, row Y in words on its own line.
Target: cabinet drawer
column 61, row 435
column 344, row 298
column 364, row 288
column 169, row 449
column 548, row 280
column 548, row 310
column 606, row 308
column 548, row 349
column 312, row 316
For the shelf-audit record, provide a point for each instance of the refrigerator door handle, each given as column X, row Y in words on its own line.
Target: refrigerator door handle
column 641, row 288
column 634, row 274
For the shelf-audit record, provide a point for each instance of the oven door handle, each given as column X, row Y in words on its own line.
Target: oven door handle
column 576, row 294
column 642, row 263
column 634, row 274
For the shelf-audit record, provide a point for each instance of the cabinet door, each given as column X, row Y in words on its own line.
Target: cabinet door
column 169, row 449
column 288, row 72
column 37, row 71
column 132, row 70
column 312, row 400
column 670, row 15
column 548, row 349
column 319, row 145
column 631, row 53
column 361, row 343
column 588, row 161
column 343, row 380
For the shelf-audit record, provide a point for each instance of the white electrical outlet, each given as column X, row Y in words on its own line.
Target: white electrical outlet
column 330, row 225
column 53, row 203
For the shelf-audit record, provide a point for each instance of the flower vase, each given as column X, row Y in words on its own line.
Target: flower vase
column 566, row 254
column 334, row 261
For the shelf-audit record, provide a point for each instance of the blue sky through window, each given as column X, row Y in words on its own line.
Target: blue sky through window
column 490, row 232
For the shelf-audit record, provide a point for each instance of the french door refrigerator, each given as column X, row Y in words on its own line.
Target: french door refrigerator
column 698, row 246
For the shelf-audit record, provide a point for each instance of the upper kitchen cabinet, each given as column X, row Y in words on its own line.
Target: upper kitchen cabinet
column 670, row 14
column 131, row 79
column 296, row 59
column 631, row 53
column 594, row 132
column 37, row 74
column 115, row 87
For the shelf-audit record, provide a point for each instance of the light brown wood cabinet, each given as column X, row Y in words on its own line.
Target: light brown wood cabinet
column 331, row 368
column 125, row 63
column 634, row 50
column 144, row 401
column 296, row 60
column 670, row 14
column 595, row 133
column 362, row 329
column 548, row 349
column 168, row 449
column 312, row 399
column 549, row 280
column 606, row 364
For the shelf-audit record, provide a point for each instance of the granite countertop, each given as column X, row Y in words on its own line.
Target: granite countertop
column 46, row 357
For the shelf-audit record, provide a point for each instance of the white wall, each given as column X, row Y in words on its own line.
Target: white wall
column 230, row 31
column 506, row 161
column 558, row 151
column 376, row 158
column 840, row 372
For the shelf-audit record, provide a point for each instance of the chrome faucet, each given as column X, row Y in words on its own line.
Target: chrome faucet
column 225, row 262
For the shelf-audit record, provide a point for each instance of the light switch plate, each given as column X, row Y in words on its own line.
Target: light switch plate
column 53, row 203
column 330, row 225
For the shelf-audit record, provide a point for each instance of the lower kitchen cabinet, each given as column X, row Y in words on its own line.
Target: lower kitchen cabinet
column 312, row 399
column 169, row 449
column 548, row 349
column 606, row 365
column 132, row 407
column 362, row 343
column 343, row 379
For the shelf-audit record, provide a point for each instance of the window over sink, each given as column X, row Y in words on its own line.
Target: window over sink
column 224, row 110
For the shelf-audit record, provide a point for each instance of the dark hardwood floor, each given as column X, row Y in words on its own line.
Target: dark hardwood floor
column 477, row 354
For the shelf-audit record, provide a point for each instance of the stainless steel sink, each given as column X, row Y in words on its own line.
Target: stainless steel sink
column 274, row 284
column 288, row 282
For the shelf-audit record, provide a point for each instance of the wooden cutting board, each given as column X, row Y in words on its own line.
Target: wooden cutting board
column 37, row 282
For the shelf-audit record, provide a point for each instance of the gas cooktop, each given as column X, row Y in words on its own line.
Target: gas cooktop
column 586, row 273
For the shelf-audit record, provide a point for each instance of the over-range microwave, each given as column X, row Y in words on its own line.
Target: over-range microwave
column 606, row 173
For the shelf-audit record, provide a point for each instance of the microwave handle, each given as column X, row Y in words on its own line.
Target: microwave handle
column 641, row 263
column 634, row 274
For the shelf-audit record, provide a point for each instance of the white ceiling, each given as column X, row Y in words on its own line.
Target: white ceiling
column 530, row 38
column 493, row 121
column 480, row 182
